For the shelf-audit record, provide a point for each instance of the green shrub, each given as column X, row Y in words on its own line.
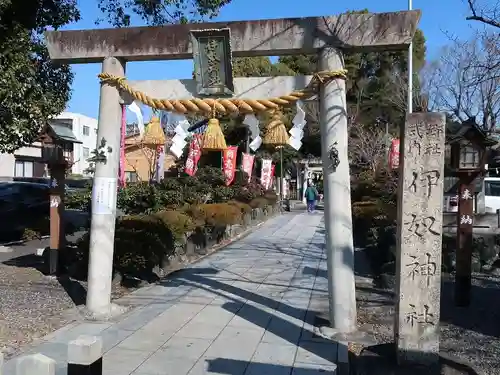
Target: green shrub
column 248, row 192
column 79, row 200
column 170, row 183
column 178, row 222
column 39, row 228
column 196, row 214
column 259, row 202
column 271, row 197
column 169, row 199
column 139, row 198
column 222, row 194
column 211, row 175
column 244, row 208
column 30, row 234
column 374, row 215
column 141, row 243
column 216, row 214
column 169, row 193
column 240, row 178
column 195, row 190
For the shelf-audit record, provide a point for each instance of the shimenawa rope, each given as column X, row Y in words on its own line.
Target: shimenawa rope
column 224, row 106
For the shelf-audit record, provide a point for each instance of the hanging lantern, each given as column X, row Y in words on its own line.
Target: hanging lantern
column 276, row 134
column 213, row 138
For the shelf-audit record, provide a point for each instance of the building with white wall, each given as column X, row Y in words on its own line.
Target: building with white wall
column 85, row 130
column 26, row 162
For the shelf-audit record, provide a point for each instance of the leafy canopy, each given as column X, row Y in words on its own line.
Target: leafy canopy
column 32, row 88
column 159, row 12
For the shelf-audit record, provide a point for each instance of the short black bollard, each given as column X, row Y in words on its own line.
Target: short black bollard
column 85, row 356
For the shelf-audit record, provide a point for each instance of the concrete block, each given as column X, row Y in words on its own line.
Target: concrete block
column 85, row 356
column 35, row 364
column 85, row 350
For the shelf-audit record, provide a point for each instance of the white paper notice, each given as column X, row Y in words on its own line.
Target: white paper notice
column 297, row 133
column 295, row 143
column 104, row 194
column 177, row 150
column 179, row 140
column 256, row 143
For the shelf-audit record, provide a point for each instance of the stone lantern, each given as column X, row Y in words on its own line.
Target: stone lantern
column 57, row 152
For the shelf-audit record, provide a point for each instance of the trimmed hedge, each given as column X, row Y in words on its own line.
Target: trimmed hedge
column 144, row 243
column 162, row 219
column 173, row 193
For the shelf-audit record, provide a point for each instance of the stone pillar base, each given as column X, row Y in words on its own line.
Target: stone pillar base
column 113, row 312
column 382, row 360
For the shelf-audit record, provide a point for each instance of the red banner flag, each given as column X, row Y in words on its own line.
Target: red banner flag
column 273, row 167
column 265, row 173
column 229, row 163
column 247, row 165
column 394, row 154
column 194, row 155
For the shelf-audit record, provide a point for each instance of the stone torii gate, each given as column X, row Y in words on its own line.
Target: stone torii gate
column 325, row 36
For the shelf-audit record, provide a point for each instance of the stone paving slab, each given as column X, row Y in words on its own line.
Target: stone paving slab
column 241, row 311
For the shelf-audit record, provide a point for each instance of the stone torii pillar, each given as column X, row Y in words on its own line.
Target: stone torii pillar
column 326, row 36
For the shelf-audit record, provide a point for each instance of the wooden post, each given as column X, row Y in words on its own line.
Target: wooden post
column 465, row 224
column 57, row 235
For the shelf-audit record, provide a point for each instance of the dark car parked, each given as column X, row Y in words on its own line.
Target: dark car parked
column 22, row 204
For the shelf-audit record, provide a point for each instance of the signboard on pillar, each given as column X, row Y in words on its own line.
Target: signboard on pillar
column 213, row 67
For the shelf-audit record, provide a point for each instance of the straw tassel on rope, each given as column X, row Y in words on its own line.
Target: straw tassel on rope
column 276, row 133
column 213, row 138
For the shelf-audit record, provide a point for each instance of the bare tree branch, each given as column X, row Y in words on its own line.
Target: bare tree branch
column 367, row 147
column 465, row 81
column 488, row 14
column 397, row 87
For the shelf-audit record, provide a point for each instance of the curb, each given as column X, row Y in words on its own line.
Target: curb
column 21, row 242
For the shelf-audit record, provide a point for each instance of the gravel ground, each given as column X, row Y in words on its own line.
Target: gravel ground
column 471, row 335
column 33, row 305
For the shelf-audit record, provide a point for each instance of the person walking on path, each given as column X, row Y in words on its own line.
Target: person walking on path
column 311, row 197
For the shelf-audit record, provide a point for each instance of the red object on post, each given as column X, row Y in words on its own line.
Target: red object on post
column 271, row 176
column 122, row 146
column 194, row 155
column 394, row 154
column 229, row 160
column 247, row 165
column 265, row 173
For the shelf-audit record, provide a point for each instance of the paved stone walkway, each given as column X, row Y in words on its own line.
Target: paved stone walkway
column 240, row 311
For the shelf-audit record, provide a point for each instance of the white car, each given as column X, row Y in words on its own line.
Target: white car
column 491, row 191
column 450, row 203
column 492, row 194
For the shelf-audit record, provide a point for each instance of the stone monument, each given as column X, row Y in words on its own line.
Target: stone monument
column 418, row 263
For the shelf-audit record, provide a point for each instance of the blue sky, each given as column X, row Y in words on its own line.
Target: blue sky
column 441, row 19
